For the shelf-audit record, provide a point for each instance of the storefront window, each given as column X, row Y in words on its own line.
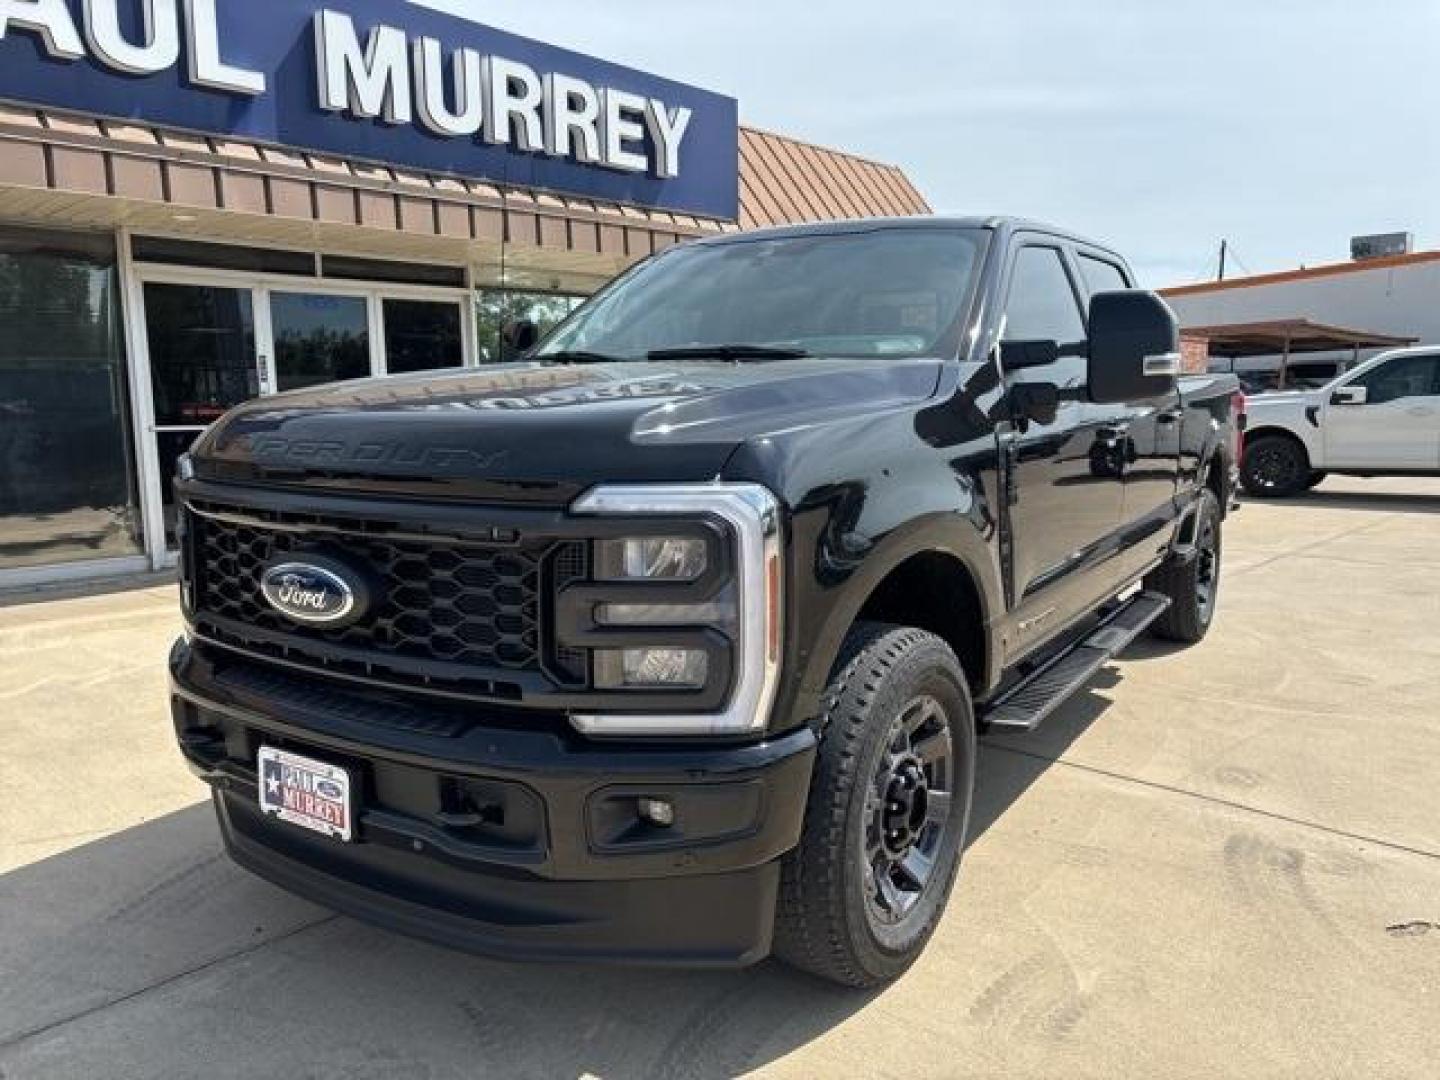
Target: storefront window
column 422, row 335
column 67, row 477
column 498, row 308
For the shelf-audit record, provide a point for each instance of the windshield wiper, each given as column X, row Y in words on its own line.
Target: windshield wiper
column 581, row 356
column 729, row 352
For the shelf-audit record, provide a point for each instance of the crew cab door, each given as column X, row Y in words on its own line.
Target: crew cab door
column 1393, row 423
column 1065, row 477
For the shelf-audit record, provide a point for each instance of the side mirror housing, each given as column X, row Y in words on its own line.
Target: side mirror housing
column 1134, row 346
column 1350, row 395
column 1017, row 355
column 520, row 336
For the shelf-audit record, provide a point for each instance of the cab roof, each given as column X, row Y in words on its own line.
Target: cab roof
column 1003, row 223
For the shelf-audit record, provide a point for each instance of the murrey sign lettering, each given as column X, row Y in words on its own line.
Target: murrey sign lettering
column 500, row 99
column 437, row 92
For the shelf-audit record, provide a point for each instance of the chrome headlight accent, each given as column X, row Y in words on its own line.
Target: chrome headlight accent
column 753, row 515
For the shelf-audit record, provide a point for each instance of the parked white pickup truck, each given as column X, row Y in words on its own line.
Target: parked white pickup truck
column 1380, row 419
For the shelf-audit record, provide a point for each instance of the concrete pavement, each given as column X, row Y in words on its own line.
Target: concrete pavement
column 1215, row 862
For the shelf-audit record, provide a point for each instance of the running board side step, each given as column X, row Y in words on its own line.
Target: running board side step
column 1023, row 706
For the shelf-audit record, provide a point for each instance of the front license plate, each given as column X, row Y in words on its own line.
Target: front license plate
column 312, row 794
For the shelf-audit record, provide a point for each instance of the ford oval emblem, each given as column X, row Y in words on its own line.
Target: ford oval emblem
column 308, row 592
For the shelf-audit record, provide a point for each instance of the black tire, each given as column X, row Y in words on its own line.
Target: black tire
column 846, row 912
column 1274, row 466
column 1192, row 583
column 1315, row 479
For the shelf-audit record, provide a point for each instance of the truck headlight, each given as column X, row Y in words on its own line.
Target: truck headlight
column 668, row 558
column 644, row 571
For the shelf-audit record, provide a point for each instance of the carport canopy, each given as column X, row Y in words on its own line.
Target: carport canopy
column 1279, row 337
column 1287, row 337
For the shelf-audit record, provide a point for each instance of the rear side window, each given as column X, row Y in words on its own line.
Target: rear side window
column 1041, row 305
column 1101, row 275
column 1403, row 377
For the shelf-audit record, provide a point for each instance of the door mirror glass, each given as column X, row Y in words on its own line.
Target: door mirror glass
column 1134, row 346
column 1350, row 395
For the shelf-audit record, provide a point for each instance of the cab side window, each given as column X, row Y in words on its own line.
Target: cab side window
column 1042, row 306
column 1403, row 377
column 1101, row 275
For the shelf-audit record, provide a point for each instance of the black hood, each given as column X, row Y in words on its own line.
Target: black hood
column 549, row 431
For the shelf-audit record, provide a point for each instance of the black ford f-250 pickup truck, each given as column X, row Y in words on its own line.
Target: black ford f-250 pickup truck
column 672, row 642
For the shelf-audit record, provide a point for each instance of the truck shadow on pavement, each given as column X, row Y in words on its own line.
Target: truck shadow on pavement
column 1010, row 764
column 148, row 952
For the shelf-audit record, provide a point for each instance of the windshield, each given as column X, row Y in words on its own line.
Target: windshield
column 880, row 292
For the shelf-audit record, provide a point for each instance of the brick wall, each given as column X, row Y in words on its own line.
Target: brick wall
column 1195, row 354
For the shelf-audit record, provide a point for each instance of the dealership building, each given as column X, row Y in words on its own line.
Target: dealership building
column 1304, row 327
column 199, row 205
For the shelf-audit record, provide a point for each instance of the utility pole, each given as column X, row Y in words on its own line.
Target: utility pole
column 1224, row 250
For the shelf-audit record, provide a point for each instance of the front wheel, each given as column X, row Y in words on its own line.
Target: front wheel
column 888, row 810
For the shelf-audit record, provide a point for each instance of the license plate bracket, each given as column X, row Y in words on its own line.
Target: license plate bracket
column 306, row 792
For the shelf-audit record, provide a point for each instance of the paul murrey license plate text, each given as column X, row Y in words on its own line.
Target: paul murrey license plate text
column 305, row 792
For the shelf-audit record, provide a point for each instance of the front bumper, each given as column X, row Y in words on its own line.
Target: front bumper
column 500, row 837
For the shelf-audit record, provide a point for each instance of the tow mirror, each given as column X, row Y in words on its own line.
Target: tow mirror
column 1015, row 355
column 1134, row 346
column 1350, row 395
column 520, row 336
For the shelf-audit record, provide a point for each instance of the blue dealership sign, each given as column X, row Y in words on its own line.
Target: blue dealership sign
column 382, row 80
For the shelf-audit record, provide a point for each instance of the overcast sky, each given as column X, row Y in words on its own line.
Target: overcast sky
column 1157, row 125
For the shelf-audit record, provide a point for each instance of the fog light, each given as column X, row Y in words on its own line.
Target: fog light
column 660, row 669
column 658, row 812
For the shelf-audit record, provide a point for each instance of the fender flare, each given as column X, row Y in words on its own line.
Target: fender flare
column 934, row 533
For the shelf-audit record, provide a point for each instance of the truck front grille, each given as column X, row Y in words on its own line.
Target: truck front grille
column 444, row 611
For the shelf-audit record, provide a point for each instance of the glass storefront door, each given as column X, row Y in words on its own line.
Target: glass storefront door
column 203, row 360
column 217, row 338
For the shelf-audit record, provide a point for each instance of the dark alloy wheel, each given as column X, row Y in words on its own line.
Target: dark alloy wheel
column 888, row 809
column 1274, row 466
column 908, row 811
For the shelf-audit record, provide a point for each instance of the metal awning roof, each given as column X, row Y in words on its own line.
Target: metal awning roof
column 1287, row 337
column 68, row 169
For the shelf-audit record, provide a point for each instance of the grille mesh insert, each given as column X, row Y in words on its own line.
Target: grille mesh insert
column 470, row 605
